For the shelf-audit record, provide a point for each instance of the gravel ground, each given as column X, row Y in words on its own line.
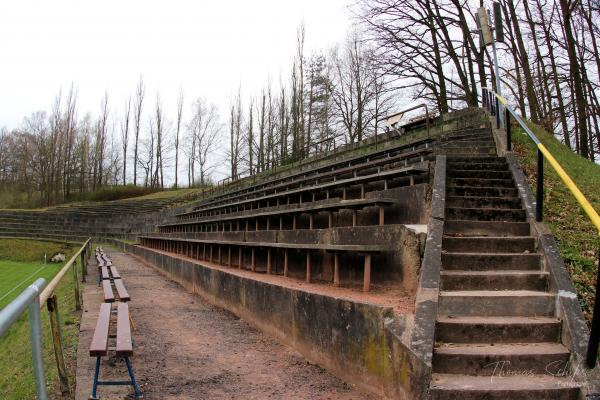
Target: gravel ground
column 186, row 348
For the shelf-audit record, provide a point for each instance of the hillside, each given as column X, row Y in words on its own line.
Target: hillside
column 578, row 239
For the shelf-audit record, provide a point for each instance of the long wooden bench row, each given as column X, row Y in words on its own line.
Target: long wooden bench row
column 201, row 249
column 109, row 277
column 244, row 221
column 353, row 162
column 328, row 174
column 311, row 191
column 113, row 324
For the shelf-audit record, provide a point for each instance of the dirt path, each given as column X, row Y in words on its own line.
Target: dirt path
column 186, row 348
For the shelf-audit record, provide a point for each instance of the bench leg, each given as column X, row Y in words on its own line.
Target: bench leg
column 367, row 273
column 95, row 383
column 136, row 388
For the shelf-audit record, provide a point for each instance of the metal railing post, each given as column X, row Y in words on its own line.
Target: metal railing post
column 508, row 133
column 35, row 332
column 76, row 287
column 539, row 195
column 57, row 342
column 497, row 114
column 83, row 266
column 594, row 341
column 483, row 97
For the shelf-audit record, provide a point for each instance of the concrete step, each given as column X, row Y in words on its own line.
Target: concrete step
column 495, row 303
column 478, row 166
column 464, row 151
column 481, row 182
column 477, row 159
column 497, row 330
column 479, row 174
column 483, row 202
column 486, row 214
column 494, row 280
column 489, row 244
column 478, row 137
column 491, row 261
column 502, row 387
column 473, row 141
column 453, row 190
column 486, row 228
column 486, row 359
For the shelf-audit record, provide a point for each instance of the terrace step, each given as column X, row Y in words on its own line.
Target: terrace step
column 477, row 166
column 490, row 261
column 494, row 303
column 461, row 151
column 486, row 214
column 491, row 191
column 530, row 387
column 489, row 244
column 477, row 159
column 481, row 182
column 487, row 359
column 479, row 174
column 498, row 329
column 486, row 228
column 483, row 202
column 494, row 280
column 474, row 141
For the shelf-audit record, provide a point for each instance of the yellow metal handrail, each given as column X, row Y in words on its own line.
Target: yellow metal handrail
column 581, row 199
column 543, row 152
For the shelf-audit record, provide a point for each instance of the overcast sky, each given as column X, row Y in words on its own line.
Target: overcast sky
column 208, row 48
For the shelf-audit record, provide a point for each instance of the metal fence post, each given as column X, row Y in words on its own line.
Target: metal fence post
column 497, row 114
column 539, row 195
column 35, row 332
column 76, row 287
column 592, row 351
column 508, row 133
column 83, row 266
column 57, row 342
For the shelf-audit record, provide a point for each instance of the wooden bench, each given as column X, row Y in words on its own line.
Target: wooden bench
column 353, row 205
column 110, row 278
column 404, row 151
column 123, row 346
column 343, row 184
column 366, row 250
column 327, row 173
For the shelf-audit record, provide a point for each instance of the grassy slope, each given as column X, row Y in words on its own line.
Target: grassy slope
column 577, row 238
column 16, row 374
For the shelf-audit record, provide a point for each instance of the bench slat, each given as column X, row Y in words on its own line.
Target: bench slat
column 109, row 296
column 105, row 273
column 123, row 295
column 114, row 272
column 99, row 346
column 124, row 345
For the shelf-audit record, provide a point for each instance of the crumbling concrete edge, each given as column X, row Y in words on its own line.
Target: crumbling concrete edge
column 422, row 338
column 575, row 333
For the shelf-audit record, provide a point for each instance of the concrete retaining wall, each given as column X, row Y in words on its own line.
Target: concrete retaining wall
column 362, row 343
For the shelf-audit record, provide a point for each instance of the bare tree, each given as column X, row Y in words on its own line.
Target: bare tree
column 158, row 180
column 139, row 99
column 125, row 137
column 179, row 116
column 203, row 129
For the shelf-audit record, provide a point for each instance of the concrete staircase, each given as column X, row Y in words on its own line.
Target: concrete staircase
column 497, row 334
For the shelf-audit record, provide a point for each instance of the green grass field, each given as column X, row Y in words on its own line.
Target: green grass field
column 21, row 263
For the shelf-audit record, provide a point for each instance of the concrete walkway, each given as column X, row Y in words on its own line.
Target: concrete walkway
column 187, row 349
